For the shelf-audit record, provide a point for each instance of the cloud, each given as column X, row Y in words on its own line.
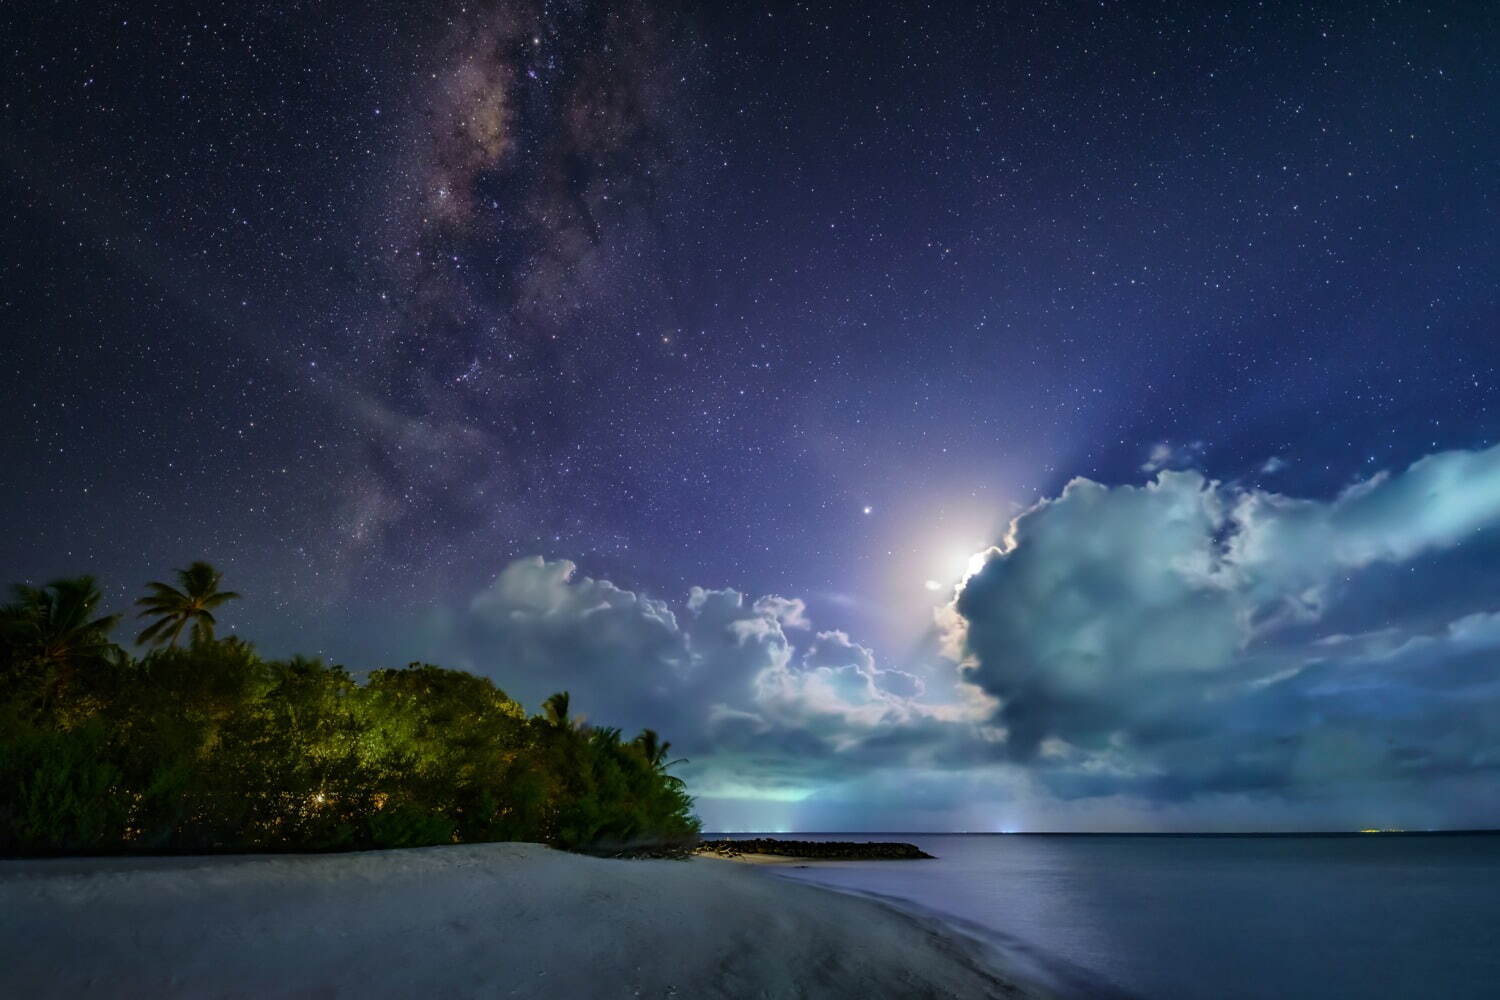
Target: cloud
column 836, row 691
column 1098, row 596
column 715, row 672
column 541, row 628
column 768, row 708
column 1289, row 545
column 1160, row 640
column 1165, row 455
column 1179, row 652
column 791, row 612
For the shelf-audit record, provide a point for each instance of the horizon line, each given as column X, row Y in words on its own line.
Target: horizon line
column 1475, row 831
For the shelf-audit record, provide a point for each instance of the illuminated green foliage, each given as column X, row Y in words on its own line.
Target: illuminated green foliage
column 208, row 747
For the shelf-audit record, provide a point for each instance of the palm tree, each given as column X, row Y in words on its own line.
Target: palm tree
column 605, row 737
column 174, row 609
column 55, row 628
column 654, row 749
column 555, row 709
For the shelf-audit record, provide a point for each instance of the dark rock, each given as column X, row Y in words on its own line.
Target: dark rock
column 821, row 850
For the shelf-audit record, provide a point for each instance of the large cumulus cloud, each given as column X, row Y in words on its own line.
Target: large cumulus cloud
column 1163, row 640
column 1180, row 653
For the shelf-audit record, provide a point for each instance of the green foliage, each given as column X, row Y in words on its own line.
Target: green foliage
column 209, row 747
column 59, row 794
column 50, row 637
column 409, row 826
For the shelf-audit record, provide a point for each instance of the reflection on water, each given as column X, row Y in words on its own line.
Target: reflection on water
column 1215, row 917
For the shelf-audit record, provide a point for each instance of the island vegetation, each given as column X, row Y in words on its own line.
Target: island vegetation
column 199, row 744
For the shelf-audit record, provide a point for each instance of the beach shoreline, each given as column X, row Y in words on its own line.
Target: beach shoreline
column 486, row 919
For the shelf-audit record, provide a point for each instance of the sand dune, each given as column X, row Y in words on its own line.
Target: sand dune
column 492, row 920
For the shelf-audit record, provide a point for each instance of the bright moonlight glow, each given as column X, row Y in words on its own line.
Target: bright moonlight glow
column 961, row 562
column 954, row 567
column 869, row 510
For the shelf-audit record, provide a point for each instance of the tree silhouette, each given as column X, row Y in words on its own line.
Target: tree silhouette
column 556, row 710
column 174, row 609
column 55, row 628
column 654, row 749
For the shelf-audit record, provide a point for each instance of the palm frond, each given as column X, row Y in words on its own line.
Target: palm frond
column 153, row 631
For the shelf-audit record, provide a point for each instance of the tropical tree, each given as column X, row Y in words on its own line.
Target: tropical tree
column 654, row 749
column 205, row 746
column 56, row 625
column 57, row 630
column 555, row 709
column 189, row 603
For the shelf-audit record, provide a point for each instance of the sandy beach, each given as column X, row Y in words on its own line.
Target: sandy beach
column 493, row 920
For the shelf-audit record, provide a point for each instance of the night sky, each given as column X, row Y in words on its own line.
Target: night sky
column 730, row 365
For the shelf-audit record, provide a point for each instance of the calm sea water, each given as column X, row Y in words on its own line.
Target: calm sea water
column 1211, row 917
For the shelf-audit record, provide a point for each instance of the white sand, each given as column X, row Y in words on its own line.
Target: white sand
column 492, row 920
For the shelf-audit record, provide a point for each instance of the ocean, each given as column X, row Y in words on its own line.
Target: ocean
column 1213, row 917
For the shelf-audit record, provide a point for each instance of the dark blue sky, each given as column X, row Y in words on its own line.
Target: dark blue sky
column 366, row 304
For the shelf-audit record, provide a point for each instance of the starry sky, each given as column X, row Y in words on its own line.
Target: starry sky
column 930, row 416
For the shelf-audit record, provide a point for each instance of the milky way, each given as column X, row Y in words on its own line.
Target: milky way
column 525, row 225
column 747, row 327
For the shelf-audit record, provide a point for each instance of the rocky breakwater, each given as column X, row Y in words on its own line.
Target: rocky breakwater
column 817, row 850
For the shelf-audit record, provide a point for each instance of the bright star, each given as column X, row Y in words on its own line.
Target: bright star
column 869, row 510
